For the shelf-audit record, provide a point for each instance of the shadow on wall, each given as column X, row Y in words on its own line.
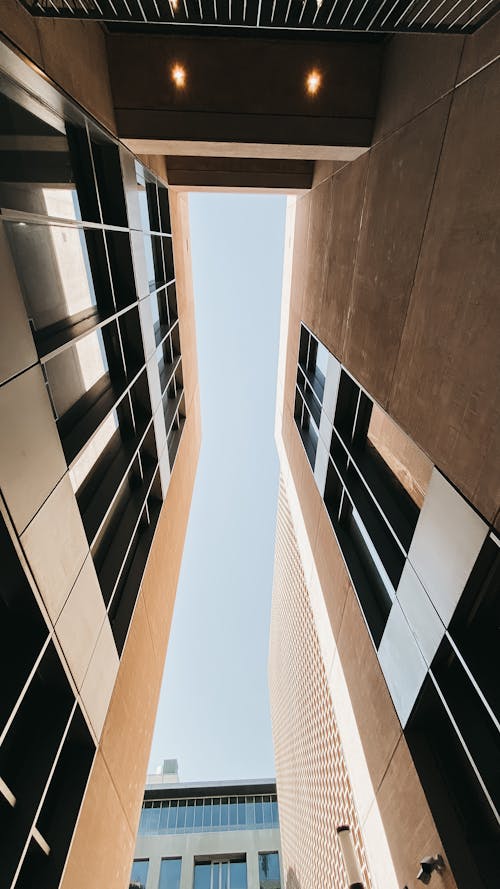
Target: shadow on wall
column 292, row 881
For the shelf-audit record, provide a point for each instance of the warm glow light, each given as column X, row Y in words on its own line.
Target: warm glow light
column 313, row 82
column 174, row 4
column 179, row 76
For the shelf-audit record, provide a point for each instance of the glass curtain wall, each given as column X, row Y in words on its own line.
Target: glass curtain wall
column 269, row 870
column 209, row 814
column 221, row 874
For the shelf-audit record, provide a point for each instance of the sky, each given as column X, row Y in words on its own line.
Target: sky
column 214, row 704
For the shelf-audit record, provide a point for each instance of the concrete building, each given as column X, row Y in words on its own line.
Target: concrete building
column 213, row 835
column 390, row 142
column 100, row 434
column 387, row 553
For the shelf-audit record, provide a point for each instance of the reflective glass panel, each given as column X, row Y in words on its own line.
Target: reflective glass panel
column 233, row 811
column 269, row 870
column 259, row 812
column 154, row 311
column 407, row 462
column 241, row 811
column 224, row 882
column 198, row 814
column 172, row 815
column 215, row 874
column 215, row 813
column 170, row 873
column 141, row 193
column 76, row 370
column 276, row 816
column 202, row 875
column 207, row 813
column 181, row 814
column 63, row 274
column 89, row 456
column 268, row 812
column 43, row 160
column 238, row 875
column 139, row 874
column 224, row 812
column 189, row 813
column 163, row 822
column 150, row 266
column 151, row 820
column 250, row 807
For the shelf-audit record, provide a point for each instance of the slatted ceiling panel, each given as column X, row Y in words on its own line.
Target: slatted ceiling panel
column 238, row 10
column 152, row 9
column 185, row 11
column 358, row 16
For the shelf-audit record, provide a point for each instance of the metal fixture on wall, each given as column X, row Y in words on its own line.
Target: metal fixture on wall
column 350, row 858
column 428, row 866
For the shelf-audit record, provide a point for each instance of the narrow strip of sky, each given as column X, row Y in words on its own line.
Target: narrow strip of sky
column 214, row 704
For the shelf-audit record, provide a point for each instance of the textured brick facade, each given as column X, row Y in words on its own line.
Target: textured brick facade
column 314, row 790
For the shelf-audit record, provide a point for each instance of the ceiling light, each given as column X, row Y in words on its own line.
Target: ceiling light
column 179, row 76
column 313, row 82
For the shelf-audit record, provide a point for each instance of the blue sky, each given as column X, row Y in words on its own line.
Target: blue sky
column 214, row 704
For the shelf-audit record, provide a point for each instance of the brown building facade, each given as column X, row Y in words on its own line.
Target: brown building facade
column 388, row 444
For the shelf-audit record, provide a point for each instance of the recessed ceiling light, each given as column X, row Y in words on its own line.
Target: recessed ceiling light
column 179, row 76
column 313, row 82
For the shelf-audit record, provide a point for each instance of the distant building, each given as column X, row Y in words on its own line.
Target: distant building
column 167, row 773
column 212, row 835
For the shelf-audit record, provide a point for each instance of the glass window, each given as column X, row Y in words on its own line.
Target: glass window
column 163, row 821
column 250, row 807
column 207, row 814
column 233, row 811
column 151, row 820
column 269, row 870
column 202, row 875
column 322, row 359
column 242, row 815
column 220, row 874
column 170, row 873
column 172, row 815
column 238, row 875
column 406, row 461
column 47, row 168
column 224, row 812
column 268, row 812
column 276, row 817
column 259, row 812
column 189, row 814
column 181, row 815
column 198, row 814
column 215, row 813
column 474, row 625
column 139, row 874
